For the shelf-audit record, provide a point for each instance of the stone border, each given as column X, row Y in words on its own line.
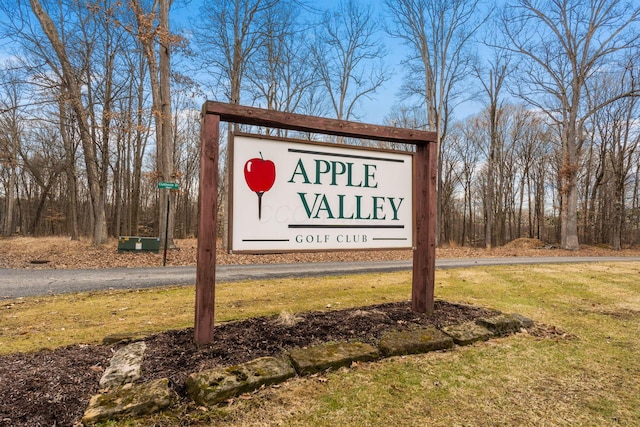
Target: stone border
column 123, row 398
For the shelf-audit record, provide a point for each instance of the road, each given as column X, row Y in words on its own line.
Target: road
column 24, row 282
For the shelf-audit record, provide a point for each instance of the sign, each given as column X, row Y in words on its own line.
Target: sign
column 298, row 196
column 168, row 185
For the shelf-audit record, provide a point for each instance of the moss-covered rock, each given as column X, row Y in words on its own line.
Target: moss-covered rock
column 467, row 333
column 414, row 341
column 129, row 400
column 525, row 322
column 331, row 356
column 217, row 385
column 500, row 325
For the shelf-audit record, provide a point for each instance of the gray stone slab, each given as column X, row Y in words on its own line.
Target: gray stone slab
column 217, row 385
column 125, row 337
column 331, row 356
column 467, row 333
column 416, row 341
column 129, row 400
column 125, row 366
column 525, row 322
column 500, row 325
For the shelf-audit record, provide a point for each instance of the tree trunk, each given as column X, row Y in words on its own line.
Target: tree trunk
column 12, row 161
column 635, row 204
column 520, row 205
column 160, row 78
column 13, row 148
column 10, row 197
column 617, row 219
column 117, row 190
column 569, row 212
column 70, row 172
column 138, row 153
column 33, row 228
column 569, row 180
column 96, row 193
column 167, row 167
column 490, row 191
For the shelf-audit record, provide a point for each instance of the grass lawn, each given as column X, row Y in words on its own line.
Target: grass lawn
column 585, row 372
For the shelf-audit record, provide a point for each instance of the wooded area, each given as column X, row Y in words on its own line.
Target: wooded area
column 100, row 100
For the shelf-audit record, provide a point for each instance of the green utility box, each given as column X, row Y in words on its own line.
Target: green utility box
column 138, row 244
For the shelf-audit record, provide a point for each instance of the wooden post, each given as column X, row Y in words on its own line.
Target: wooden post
column 424, row 252
column 207, row 222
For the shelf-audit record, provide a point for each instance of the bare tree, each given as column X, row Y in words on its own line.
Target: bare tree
column 614, row 125
column 238, row 33
column 439, row 36
column 10, row 142
column 492, row 80
column 347, row 56
column 280, row 76
column 497, row 171
column 152, row 31
column 69, row 140
column 451, row 178
column 635, row 202
column 531, row 150
column 561, row 44
column 72, row 83
column 137, row 121
column 408, row 117
column 43, row 159
column 465, row 140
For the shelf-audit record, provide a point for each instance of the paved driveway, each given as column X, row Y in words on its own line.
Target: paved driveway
column 26, row 282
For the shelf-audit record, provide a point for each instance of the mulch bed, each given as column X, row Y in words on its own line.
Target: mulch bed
column 53, row 387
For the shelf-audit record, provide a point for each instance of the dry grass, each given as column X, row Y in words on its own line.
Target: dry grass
column 587, row 377
column 582, row 370
column 28, row 324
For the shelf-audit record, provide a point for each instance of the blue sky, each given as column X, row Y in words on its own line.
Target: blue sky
column 372, row 110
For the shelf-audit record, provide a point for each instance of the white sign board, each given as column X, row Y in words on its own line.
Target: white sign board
column 298, row 196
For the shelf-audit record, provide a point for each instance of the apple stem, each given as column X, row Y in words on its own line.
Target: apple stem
column 261, row 155
column 259, row 193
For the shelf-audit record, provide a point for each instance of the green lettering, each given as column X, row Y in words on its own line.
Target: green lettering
column 319, row 172
column 394, row 207
column 350, row 176
column 341, row 207
column 378, row 207
column 299, row 170
column 324, row 206
column 335, row 173
column 303, row 197
column 359, row 209
column 320, row 203
column 371, row 175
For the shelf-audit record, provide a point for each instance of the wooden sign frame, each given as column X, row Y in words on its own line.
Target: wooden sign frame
column 425, row 176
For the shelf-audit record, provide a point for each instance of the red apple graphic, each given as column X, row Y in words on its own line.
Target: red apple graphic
column 260, row 174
